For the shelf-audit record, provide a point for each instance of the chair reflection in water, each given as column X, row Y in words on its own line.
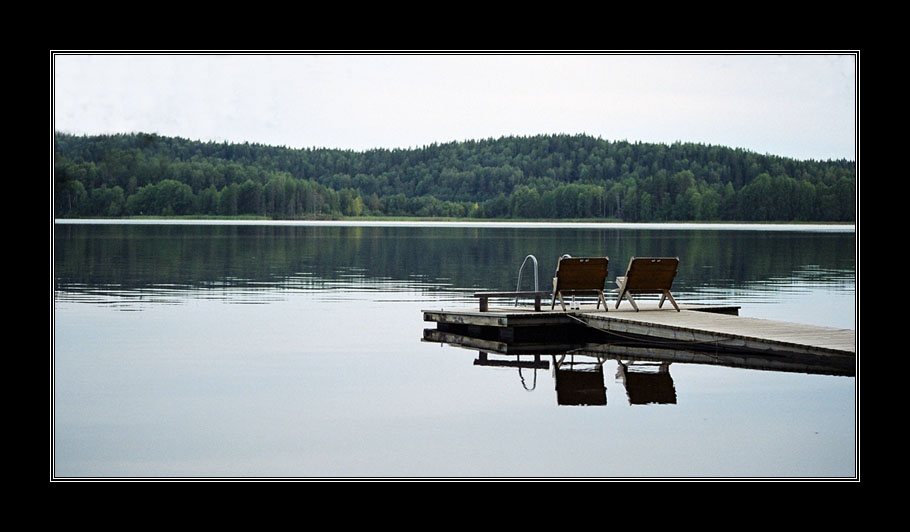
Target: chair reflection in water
column 647, row 383
column 579, row 383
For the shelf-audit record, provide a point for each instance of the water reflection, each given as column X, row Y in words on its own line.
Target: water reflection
column 146, row 264
column 579, row 383
column 641, row 368
column 293, row 350
column 647, row 383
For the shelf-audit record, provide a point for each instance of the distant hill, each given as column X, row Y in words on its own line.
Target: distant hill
column 540, row 177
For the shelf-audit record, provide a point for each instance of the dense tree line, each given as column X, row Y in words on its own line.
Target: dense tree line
column 546, row 176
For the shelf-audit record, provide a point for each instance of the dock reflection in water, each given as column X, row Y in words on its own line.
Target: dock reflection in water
column 642, row 369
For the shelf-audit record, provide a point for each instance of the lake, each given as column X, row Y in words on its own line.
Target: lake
column 295, row 350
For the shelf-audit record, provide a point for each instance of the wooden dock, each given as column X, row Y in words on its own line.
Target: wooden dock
column 708, row 326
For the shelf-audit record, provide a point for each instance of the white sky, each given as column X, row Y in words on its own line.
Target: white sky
column 795, row 105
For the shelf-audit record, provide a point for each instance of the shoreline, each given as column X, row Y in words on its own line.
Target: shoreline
column 719, row 226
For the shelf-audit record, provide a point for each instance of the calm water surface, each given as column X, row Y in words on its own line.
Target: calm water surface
column 295, row 350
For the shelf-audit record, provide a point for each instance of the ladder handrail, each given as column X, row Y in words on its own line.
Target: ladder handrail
column 536, row 283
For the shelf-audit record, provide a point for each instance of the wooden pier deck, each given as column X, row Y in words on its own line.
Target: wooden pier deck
column 710, row 326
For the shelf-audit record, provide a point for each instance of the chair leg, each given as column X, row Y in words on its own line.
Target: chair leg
column 670, row 297
column 562, row 302
column 628, row 295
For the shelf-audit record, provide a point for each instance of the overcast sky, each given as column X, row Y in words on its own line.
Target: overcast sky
column 795, row 105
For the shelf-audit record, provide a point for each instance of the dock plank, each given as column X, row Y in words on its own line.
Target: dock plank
column 722, row 329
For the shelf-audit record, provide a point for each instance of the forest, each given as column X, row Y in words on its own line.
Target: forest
column 544, row 177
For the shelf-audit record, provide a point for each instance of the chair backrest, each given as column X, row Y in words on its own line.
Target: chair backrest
column 651, row 273
column 581, row 273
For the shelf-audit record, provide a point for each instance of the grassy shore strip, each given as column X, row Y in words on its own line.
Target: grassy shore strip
column 468, row 222
column 421, row 219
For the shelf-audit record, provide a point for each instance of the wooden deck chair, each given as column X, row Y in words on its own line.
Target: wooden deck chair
column 648, row 275
column 580, row 276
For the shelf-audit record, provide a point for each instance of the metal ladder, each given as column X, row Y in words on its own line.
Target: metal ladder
column 536, row 284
